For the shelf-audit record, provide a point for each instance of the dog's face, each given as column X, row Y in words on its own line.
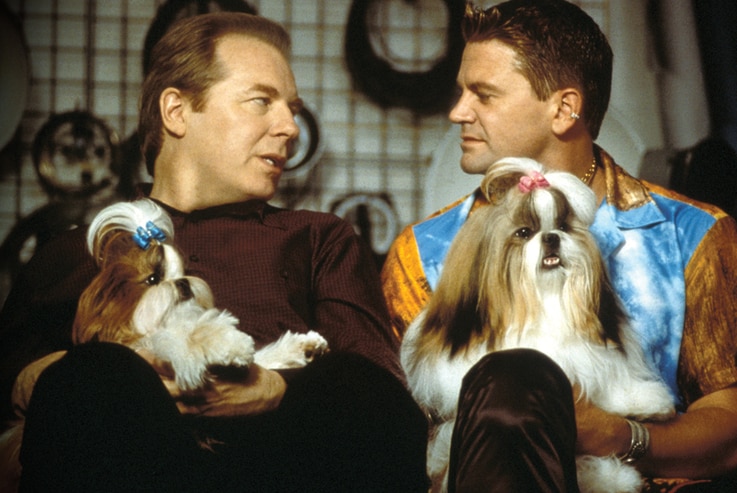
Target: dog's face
column 541, row 241
column 524, row 260
column 540, row 262
column 134, row 291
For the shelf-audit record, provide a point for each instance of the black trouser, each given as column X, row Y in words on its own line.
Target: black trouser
column 100, row 419
column 516, row 427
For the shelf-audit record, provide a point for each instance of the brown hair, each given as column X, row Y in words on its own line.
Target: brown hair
column 184, row 58
column 557, row 45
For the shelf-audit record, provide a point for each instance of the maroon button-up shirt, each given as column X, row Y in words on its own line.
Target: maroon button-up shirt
column 274, row 269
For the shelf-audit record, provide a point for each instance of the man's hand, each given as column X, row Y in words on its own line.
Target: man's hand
column 599, row 433
column 252, row 391
column 700, row 443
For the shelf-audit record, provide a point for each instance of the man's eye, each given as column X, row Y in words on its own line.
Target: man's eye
column 153, row 280
column 523, row 233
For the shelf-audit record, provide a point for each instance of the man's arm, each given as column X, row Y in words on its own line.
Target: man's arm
column 348, row 305
column 700, row 443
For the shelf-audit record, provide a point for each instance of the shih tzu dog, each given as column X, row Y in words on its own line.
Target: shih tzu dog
column 525, row 272
column 142, row 298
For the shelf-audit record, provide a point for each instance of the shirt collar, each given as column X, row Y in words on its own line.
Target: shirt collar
column 632, row 204
column 254, row 208
column 628, row 205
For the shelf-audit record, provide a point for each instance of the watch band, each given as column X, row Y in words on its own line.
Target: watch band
column 639, row 444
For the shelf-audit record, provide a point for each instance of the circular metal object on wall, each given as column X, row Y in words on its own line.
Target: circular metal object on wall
column 372, row 216
column 75, row 155
column 307, row 149
column 425, row 92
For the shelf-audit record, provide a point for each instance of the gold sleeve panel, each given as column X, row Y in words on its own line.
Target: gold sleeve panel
column 405, row 287
column 709, row 347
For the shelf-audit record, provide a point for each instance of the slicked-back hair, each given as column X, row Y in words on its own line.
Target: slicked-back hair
column 185, row 59
column 557, row 45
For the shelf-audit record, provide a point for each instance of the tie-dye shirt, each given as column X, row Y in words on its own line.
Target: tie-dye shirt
column 672, row 261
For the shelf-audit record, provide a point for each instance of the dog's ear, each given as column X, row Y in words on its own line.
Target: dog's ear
column 104, row 312
column 611, row 314
column 456, row 309
column 495, row 186
column 110, row 245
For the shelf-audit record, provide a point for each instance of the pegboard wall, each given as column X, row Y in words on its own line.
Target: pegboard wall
column 87, row 55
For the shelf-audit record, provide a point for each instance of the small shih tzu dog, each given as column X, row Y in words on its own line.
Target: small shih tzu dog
column 525, row 272
column 142, row 298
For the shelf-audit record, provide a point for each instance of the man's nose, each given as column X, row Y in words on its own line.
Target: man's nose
column 286, row 124
column 460, row 112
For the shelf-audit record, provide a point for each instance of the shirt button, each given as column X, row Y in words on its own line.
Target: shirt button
column 194, row 258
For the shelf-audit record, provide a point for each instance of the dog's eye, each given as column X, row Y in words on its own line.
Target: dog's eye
column 153, row 280
column 523, row 233
column 563, row 227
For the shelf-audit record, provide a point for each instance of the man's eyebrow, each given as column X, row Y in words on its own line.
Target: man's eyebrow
column 482, row 86
column 268, row 90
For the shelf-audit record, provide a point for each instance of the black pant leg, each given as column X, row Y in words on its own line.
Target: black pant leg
column 516, row 427
column 350, row 426
column 100, row 419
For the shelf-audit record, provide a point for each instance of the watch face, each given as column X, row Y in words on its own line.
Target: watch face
column 74, row 155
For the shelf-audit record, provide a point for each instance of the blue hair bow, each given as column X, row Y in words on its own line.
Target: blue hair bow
column 143, row 236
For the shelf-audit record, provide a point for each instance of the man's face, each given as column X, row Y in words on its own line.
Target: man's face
column 499, row 113
column 239, row 141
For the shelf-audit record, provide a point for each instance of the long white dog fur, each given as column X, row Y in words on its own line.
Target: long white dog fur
column 525, row 272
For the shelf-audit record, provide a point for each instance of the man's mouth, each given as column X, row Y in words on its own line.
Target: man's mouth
column 469, row 138
column 274, row 160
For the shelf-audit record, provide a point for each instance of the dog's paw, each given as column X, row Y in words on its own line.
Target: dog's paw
column 189, row 374
column 292, row 350
column 311, row 346
column 606, row 475
column 640, row 400
column 233, row 348
column 217, row 338
column 650, row 401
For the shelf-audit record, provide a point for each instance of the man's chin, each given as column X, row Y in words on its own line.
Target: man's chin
column 475, row 166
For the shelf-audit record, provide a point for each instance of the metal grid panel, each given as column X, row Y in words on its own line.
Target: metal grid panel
column 87, row 55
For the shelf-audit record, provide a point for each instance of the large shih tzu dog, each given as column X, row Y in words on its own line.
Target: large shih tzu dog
column 142, row 298
column 525, row 272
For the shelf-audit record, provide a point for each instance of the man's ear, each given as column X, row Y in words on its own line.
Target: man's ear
column 173, row 106
column 569, row 108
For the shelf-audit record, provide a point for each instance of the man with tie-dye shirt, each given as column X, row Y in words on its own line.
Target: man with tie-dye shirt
column 534, row 81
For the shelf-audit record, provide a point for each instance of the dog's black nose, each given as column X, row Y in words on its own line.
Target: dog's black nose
column 185, row 290
column 551, row 240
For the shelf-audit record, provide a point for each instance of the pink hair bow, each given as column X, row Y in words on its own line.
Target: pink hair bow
column 530, row 182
